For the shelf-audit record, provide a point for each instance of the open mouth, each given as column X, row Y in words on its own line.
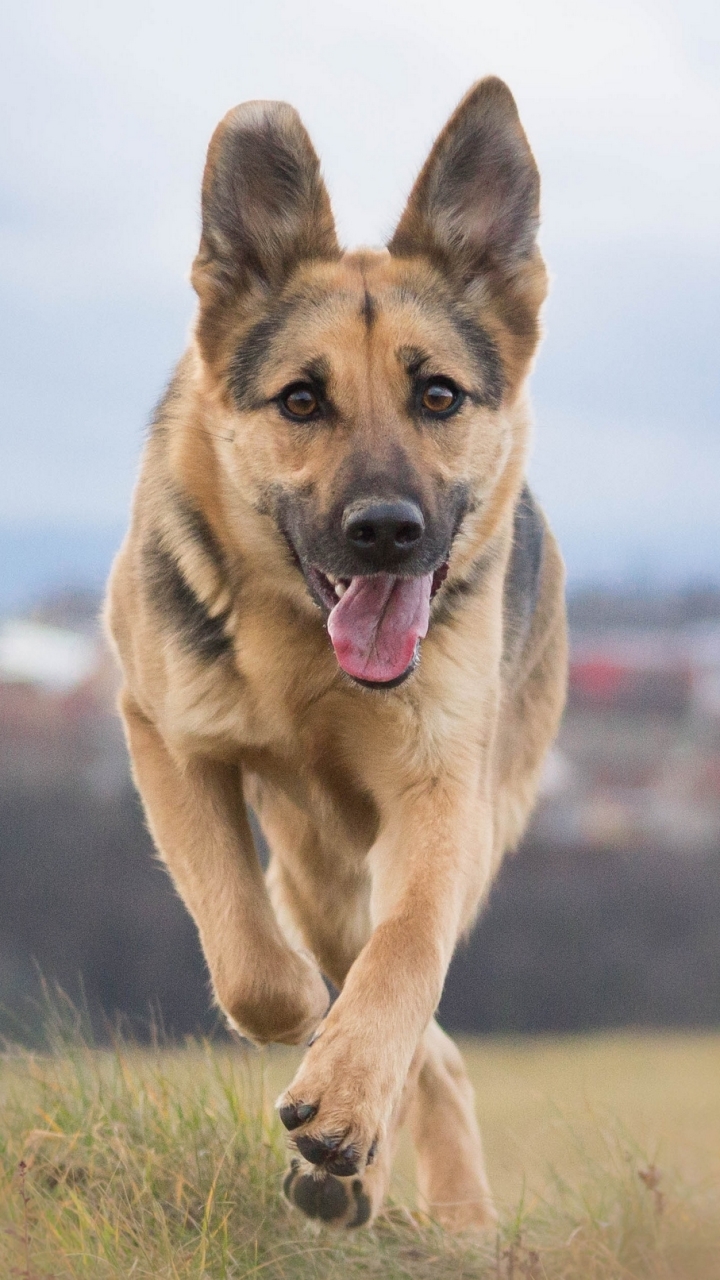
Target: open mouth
column 377, row 621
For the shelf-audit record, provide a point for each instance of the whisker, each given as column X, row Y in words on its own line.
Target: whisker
column 213, row 435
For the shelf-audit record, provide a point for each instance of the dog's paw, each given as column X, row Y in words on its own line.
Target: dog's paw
column 334, row 1201
column 334, row 1140
column 338, row 1107
column 332, row 1153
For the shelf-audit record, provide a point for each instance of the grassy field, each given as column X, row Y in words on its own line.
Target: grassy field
column 604, row 1153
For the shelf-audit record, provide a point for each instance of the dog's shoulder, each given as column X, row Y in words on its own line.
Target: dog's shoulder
column 171, row 574
column 534, row 590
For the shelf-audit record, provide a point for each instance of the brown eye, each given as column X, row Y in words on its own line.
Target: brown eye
column 300, row 401
column 440, row 396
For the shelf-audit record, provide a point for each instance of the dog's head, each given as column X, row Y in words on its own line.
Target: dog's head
column 372, row 399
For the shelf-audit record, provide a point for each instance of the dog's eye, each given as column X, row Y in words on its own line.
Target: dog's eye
column 299, row 401
column 440, row 396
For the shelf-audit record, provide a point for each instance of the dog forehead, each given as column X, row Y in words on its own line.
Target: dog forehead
column 364, row 303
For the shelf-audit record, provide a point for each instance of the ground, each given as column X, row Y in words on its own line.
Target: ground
column 604, row 1152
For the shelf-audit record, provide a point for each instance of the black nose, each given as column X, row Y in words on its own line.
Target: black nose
column 383, row 532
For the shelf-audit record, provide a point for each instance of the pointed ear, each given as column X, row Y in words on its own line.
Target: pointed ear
column 475, row 206
column 265, row 207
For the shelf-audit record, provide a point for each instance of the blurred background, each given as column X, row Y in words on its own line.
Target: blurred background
column 608, row 915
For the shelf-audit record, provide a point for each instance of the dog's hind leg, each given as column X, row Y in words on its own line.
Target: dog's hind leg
column 452, row 1183
column 319, row 890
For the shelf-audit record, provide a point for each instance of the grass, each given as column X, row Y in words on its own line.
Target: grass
column 604, row 1152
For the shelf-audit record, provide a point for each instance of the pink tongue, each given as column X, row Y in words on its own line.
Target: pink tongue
column 377, row 623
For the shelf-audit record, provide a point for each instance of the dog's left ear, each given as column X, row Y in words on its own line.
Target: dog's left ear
column 475, row 206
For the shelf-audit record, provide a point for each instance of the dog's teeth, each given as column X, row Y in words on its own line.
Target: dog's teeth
column 340, row 589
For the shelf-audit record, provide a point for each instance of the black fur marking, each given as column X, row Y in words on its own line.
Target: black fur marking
column 477, row 342
column 522, row 580
column 195, row 528
column 253, row 352
column 369, row 309
column 454, row 593
column 174, row 599
column 485, row 357
column 254, row 349
column 320, row 548
column 462, row 502
column 324, row 1198
column 318, row 372
column 413, row 358
column 364, row 1206
column 321, row 543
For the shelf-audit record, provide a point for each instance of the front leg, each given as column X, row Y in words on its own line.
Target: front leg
column 429, row 868
column 197, row 816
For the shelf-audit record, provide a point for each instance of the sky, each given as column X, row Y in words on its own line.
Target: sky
column 107, row 110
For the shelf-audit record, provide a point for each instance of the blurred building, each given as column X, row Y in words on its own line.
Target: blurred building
column 637, row 761
column 57, row 692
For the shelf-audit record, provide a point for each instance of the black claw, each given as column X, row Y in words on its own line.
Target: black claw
column 343, row 1163
column 317, row 1150
column 326, row 1198
column 325, row 1152
column 294, row 1114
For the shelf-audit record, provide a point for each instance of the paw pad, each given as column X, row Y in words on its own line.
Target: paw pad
column 325, row 1197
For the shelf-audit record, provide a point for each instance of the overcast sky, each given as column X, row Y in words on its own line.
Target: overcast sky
column 108, row 108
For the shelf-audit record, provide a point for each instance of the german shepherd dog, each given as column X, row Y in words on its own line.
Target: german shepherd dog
column 339, row 604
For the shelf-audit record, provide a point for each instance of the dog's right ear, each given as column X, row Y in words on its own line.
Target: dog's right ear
column 265, row 208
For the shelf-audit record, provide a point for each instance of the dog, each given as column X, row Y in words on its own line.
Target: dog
column 339, row 605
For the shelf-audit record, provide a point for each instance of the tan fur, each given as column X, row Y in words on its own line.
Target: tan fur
column 386, row 813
